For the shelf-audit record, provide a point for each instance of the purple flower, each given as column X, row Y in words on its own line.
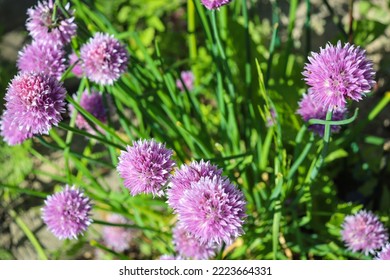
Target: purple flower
column 43, row 27
column 67, row 213
column 145, row 167
column 384, row 254
column 271, row 118
column 188, row 79
column 212, row 210
column 92, row 103
column 214, row 4
column 74, row 61
column 185, row 176
column 11, row 133
column 364, row 232
column 115, row 237
column 43, row 57
column 190, row 247
column 309, row 109
column 339, row 73
column 34, row 102
column 104, row 59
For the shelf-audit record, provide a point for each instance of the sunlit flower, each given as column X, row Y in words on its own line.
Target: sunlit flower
column 145, row 167
column 11, row 133
column 212, row 210
column 364, row 232
column 34, row 102
column 186, row 175
column 43, row 57
column 44, row 26
column 67, row 213
column 339, row 73
column 104, row 59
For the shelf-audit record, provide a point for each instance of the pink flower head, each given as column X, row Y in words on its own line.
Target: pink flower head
column 92, row 103
column 40, row 56
column 74, row 61
column 212, row 210
column 10, row 132
column 339, row 73
column 115, row 237
column 43, row 27
column 384, row 253
column 364, row 232
column 185, row 176
column 34, row 102
column 190, row 247
column 309, row 109
column 215, row 4
column 67, row 213
column 104, row 59
column 188, row 79
column 145, row 167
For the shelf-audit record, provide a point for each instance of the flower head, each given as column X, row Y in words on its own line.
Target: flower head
column 145, row 167
column 43, row 57
column 186, row 175
column 309, row 109
column 188, row 79
column 11, row 133
column 35, row 102
column 339, row 73
column 104, row 59
column 115, row 237
column 215, row 4
column 47, row 23
column 190, row 247
column 384, row 254
column 92, row 103
column 67, row 213
column 212, row 210
column 364, row 232
column 77, row 69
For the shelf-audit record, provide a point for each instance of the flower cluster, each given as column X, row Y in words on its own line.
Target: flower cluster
column 188, row 79
column 364, row 232
column 67, row 213
column 34, row 103
column 384, row 253
column 215, row 4
column 209, row 207
column 145, row 167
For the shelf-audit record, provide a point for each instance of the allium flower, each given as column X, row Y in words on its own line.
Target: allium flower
column 310, row 109
column 188, row 79
column 364, row 232
column 43, row 27
column 190, row 247
column 214, row 4
column 11, row 133
column 43, row 57
column 35, row 102
column 92, row 103
column 67, row 213
column 185, row 176
column 339, row 73
column 145, row 167
column 115, row 237
column 212, row 210
column 104, row 59
column 77, row 69
column 384, row 254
